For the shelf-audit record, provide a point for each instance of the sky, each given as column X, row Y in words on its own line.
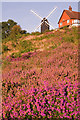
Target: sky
column 20, row 13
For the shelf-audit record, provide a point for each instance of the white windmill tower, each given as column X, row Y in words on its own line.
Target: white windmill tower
column 44, row 22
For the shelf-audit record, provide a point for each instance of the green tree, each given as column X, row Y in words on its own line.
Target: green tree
column 16, row 29
column 0, row 30
column 15, row 32
column 6, row 28
column 11, row 28
column 11, row 23
column 23, row 32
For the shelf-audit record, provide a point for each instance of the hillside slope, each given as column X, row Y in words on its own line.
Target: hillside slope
column 40, row 76
column 39, row 42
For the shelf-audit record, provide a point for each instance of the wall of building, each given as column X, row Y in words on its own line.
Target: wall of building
column 64, row 19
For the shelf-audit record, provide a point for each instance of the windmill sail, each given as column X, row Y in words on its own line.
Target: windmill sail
column 36, row 14
column 51, row 12
column 44, row 22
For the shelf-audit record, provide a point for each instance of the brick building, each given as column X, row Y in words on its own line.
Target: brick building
column 69, row 17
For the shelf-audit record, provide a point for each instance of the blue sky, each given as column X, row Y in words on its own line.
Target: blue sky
column 20, row 12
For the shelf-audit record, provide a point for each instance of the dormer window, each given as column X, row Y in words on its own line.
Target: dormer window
column 67, row 21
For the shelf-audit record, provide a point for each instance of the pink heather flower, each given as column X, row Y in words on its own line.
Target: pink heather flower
column 55, row 103
column 72, row 113
column 49, row 112
column 29, row 113
column 4, row 114
column 11, row 115
column 15, row 114
column 28, row 110
column 52, row 108
column 61, row 100
column 49, row 102
column 71, row 110
column 63, row 111
column 42, row 114
column 68, row 117
column 64, row 114
column 36, row 100
column 28, row 106
column 59, row 110
column 66, row 110
column 21, row 114
column 50, row 116
column 38, row 109
column 61, row 116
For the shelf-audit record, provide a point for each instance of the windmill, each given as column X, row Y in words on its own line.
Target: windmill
column 45, row 25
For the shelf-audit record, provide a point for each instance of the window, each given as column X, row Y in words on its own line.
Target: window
column 67, row 21
column 78, row 21
column 60, row 23
column 72, row 21
column 75, row 21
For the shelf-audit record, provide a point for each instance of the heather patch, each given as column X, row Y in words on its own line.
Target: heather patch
column 42, row 84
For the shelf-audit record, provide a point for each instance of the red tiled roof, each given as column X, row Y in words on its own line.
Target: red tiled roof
column 72, row 14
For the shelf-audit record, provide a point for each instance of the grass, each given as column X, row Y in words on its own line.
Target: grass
column 68, row 39
column 43, row 42
column 35, row 33
column 44, row 37
column 26, row 46
column 5, row 48
column 5, row 64
column 15, row 55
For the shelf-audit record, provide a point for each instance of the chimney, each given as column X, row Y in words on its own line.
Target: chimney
column 70, row 8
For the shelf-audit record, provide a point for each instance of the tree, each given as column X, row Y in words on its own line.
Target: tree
column 23, row 32
column 15, row 31
column 6, row 28
column 0, row 29
column 10, row 28
column 11, row 23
